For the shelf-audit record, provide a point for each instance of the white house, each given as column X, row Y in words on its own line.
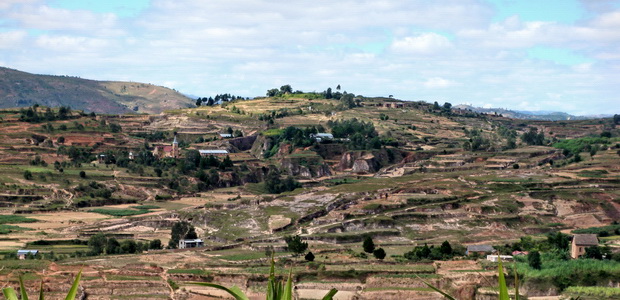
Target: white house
column 193, row 243
column 214, row 152
column 495, row 258
column 322, row 136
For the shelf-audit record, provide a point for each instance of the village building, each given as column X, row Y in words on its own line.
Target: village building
column 480, row 249
column 214, row 152
column 322, row 136
column 226, row 135
column 131, row 157
column 581, row 242
column 162, row 151
column 191, row 243
column 495, row 258
column 22, row 254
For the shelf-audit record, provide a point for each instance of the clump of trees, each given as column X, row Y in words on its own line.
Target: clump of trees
column 295, row 244
column 443, row 252
column 32, row 114
column 102, row 244
column 181, row 230
column 533, row 137
column 219, row 98
column 276, row 185
column 362, row 135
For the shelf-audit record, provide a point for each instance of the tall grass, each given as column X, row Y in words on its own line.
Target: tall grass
column 594, row 292
column 565, row 273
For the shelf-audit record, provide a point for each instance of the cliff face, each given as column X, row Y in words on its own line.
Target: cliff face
column 304, row 167
column 363, row 162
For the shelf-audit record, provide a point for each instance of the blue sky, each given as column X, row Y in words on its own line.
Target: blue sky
column 559, row 55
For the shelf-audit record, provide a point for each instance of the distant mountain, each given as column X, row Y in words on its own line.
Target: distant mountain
column 529, row 115
column 21, row 89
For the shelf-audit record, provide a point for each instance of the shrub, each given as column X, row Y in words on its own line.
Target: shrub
column 309, row 256
column 379, row 253
column 368, row 245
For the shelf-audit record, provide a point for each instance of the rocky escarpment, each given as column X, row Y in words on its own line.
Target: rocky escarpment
column 307, row 166
column 369, row 161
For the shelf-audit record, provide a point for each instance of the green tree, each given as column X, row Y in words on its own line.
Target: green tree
column 379, row 253
column 27, row 175
column 446, row 248
column 97, row 243
column 309, row 256
column 286, row 89
column 368, row 244
column 179, row 231
column 594, row 252
column 112, row 246
column 155, row 244
column 533, row 259
column 295, row 244
column 82, row 174
column 129, row 246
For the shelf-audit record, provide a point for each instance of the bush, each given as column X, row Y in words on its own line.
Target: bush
column 368, row 245
column 82, row 174
column 379, row 253
column 309, row 256
column 27, row 175
column 294, row 244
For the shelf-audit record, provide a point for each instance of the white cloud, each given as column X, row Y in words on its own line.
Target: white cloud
column 426, row 43
column 12, row 39
column 416, row 49
column 438, row 82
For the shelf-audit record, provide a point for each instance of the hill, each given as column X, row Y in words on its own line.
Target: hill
column 411, row 175
column 21, row 89
column 527, row 115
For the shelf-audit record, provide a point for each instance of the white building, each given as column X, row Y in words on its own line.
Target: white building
column 193, row 243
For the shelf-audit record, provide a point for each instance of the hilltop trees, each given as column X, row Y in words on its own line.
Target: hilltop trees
column 533, row 137
column 32, row 114
column 295, row 244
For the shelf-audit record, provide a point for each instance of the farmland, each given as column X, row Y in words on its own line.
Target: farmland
column 433, row 175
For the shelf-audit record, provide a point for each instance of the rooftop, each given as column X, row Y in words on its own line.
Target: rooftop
column 480, row 248
column 213, row 151
column 585, row 239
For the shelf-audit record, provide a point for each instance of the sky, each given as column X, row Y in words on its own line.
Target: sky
column 555, row 55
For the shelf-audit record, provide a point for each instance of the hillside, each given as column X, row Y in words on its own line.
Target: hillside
column 526, row 115
column 410, row 175
column 21, row 89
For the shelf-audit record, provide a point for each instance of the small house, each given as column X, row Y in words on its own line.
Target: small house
column 495, row 258
column 192, row 243
column 226, row 135
column 131, row 156
column 22, row 254
column 322, row 136
column 581, row 242
column 480, row 249
column 214, row 152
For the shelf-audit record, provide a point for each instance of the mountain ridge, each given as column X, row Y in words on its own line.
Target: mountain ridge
column 22, row 89
column 530, row 115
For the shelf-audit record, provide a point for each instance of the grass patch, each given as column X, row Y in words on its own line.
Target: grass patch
column 119, row 212
column 145, row 207
column 6, row 229
column 593, row 292
column 131, row 278
column 12, row 219
column 188, row 271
